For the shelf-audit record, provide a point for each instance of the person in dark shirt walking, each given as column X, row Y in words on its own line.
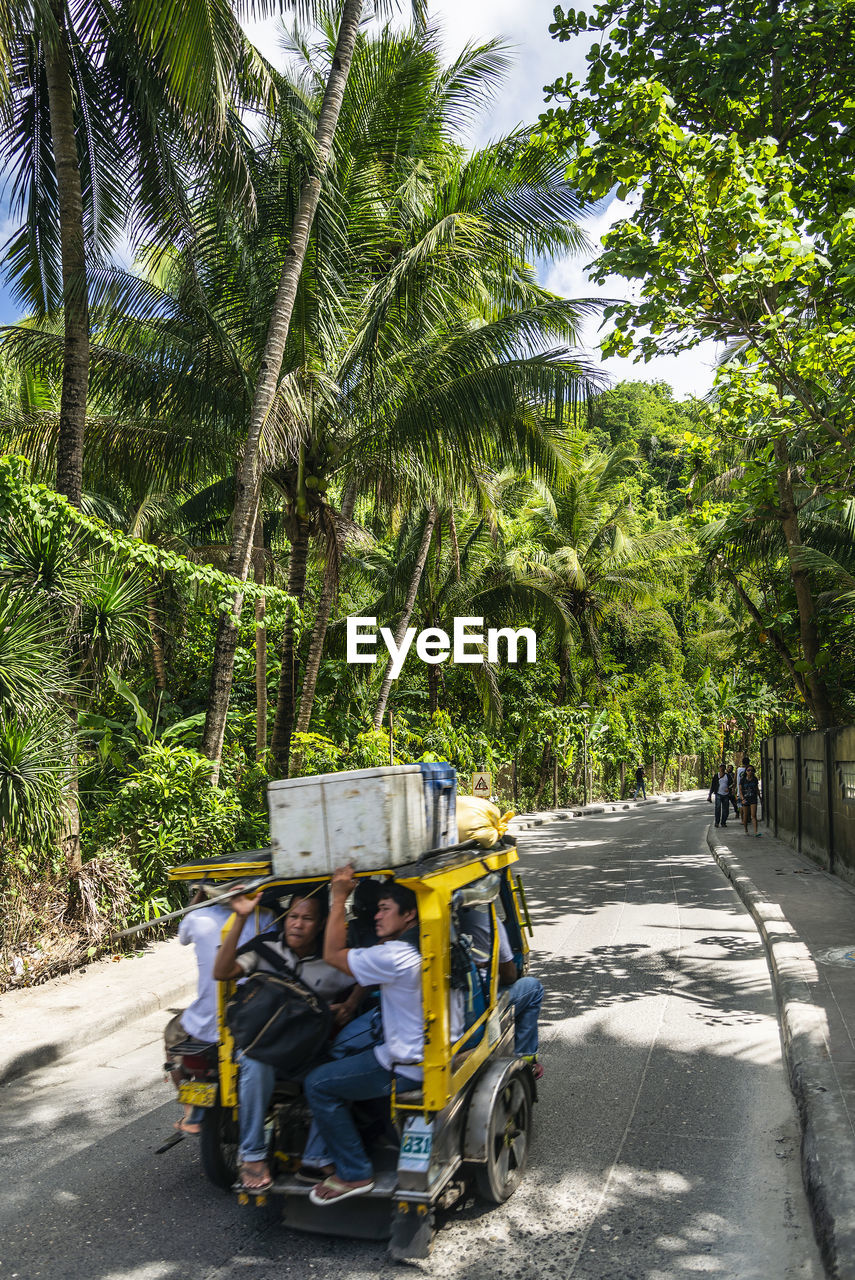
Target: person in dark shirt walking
column 639, row 783
column 749, row 794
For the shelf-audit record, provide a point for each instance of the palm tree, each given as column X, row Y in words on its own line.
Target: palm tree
column 423, row 350
column 586, row 546
column 96, row 115
column 248, row 480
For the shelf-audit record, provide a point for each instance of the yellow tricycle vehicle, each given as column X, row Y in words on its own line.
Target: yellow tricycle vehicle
column 471, row 1120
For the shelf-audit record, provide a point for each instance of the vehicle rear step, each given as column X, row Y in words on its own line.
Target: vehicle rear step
column 385, row 1186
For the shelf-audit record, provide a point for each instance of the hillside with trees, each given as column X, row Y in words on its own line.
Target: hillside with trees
column 215, row 455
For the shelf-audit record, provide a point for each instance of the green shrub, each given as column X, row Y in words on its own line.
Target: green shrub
column 168, row 812
column 32, row 774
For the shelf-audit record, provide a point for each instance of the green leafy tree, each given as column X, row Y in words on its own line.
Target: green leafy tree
column 740, row 229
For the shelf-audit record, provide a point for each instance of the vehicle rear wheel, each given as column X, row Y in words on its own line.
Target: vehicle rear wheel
column 507, row 1142
column 218, row 1147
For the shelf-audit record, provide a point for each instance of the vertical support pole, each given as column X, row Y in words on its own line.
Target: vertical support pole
column 775, row 779
column 765, row 780
column 829, row 796
column 554, row 781
column 797, row 753
column 622, row 779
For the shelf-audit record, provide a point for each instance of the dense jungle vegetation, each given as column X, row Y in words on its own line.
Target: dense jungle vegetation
column 287, row 358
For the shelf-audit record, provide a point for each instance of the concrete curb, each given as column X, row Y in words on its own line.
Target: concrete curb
column 525, row 821
column 828, row 1147
column 40, row 1025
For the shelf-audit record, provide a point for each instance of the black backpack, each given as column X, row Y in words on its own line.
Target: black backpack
column 276, row 1018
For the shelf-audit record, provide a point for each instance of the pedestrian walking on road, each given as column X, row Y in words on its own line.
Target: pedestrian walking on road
column 639, row 783
column 720, row 791
column 734, row 798
column 750, row 795
column 740, row 774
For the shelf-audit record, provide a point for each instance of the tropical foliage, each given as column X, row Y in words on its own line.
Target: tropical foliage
column 325, row 380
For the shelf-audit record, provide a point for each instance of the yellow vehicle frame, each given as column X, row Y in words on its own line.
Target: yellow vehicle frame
column 447, row 1067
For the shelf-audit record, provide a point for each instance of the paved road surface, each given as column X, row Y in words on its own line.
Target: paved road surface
column 666, row 1147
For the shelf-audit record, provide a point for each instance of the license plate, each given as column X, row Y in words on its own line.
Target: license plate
column 198, row 1095
column 416, row 1144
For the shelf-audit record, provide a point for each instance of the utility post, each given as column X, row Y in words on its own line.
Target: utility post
column 585, row 706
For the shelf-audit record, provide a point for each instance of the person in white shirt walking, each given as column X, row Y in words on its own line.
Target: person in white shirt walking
column 720, row 790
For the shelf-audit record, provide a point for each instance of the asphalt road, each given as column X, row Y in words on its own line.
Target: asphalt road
column 666, row 1141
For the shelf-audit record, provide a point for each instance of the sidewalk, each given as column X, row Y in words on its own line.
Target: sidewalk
column 806, row 918
column 40, row 1024
column 525, row 821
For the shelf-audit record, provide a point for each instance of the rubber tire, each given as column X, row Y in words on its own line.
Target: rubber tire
column 218, row 1145
column 508, row 1141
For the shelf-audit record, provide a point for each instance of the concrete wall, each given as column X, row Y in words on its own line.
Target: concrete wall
column 809, row 795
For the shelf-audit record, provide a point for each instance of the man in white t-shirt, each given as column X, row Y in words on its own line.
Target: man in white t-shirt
column 396, row 968
column 203, row 929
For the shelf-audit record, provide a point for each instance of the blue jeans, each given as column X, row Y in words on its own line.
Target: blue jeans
column 640, row 788
column 722, row 809
column 362, row 1033
column 526, row 997
column 255, row 1088
column 330, row 1088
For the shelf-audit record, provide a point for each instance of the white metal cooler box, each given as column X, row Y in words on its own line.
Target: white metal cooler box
column 368, row 817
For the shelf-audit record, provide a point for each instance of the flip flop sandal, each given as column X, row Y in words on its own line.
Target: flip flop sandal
column 241, row 1185
column 192, row 1131
column 341, row 1189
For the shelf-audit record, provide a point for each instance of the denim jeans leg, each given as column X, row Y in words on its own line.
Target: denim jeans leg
column 526, row 997
column 362, row 1033
column 255, row 1087
column 329, row 1090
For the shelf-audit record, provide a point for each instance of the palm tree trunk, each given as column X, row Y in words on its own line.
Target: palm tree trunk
column 409, row 604
column 815, row 688
column 545, row 761
column 433, row 690
column 286, row 701
column 316, row 648
column 156, row 646
column 75, row 368
column 247, row 479
column 260, row 647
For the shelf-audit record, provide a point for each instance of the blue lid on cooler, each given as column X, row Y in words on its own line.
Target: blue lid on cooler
column 439, row 782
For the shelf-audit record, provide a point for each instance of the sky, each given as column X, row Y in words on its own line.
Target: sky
column 537, row 60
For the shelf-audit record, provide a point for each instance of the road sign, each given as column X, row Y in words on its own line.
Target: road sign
column 482, row 785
